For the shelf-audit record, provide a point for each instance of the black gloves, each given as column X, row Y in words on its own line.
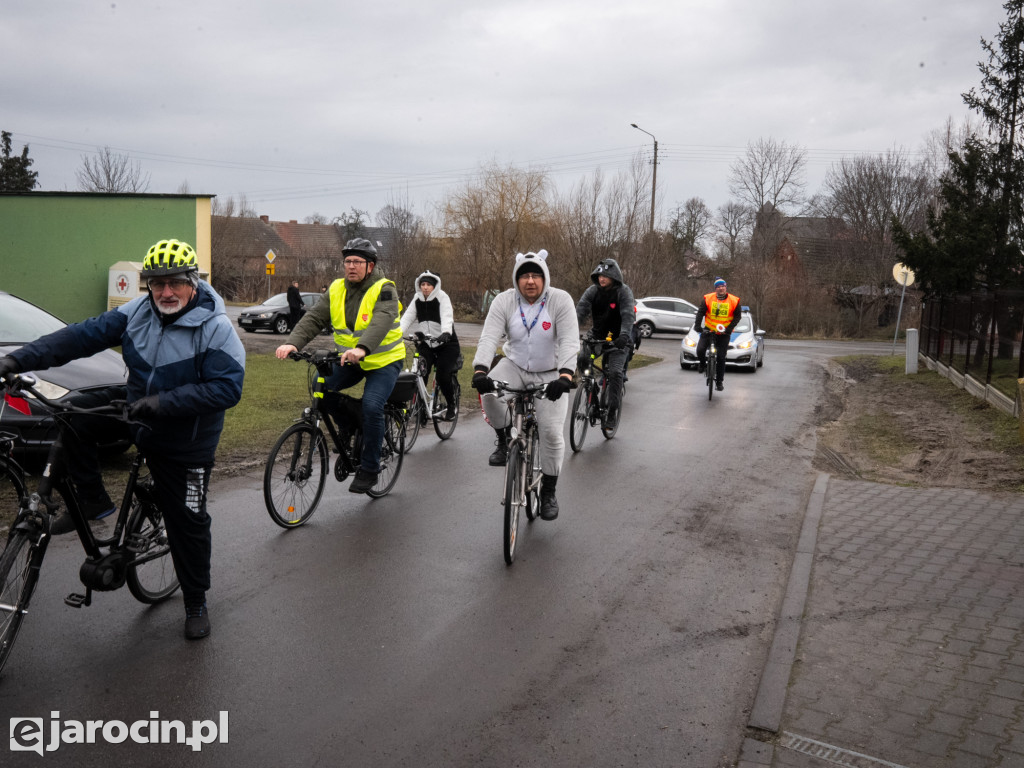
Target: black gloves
column 444, row 338
column 145, row 406
column 421, row 338
column 481, row 383
column 557, row 388
column 8, row 365
column 621, row 340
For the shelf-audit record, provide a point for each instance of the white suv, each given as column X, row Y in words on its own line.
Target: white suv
column 663, row 313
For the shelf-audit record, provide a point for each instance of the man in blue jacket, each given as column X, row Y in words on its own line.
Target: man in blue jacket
column 185, row 368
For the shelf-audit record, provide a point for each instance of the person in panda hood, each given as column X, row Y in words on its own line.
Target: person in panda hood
column 543, row 342
column 430, row 318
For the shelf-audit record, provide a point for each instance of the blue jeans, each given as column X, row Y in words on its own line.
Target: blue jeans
column 379, row 383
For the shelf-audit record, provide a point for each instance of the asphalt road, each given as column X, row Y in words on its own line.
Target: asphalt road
column 631, row 631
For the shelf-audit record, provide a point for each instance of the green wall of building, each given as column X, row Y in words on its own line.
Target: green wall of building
column 56, row 249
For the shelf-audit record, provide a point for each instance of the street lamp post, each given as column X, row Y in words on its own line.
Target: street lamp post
column 654, row 174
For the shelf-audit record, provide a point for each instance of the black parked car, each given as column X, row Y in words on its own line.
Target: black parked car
column 22, row 322
column 273, row 314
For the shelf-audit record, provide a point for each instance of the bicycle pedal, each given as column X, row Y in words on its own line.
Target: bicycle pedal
column 76, row 600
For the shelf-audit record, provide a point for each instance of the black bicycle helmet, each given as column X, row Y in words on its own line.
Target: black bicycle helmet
column 360, row 246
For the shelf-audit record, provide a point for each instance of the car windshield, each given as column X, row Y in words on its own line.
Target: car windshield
column 743, row 326
column 21, row 322
column 280, row 298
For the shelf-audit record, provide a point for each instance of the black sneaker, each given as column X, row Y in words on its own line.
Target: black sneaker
column 449, row 415
column 363, row 481
column 197, row 622
column 719, row 386
column 701, row 368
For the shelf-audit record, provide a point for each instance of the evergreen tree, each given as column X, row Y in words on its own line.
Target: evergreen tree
column 974, row 241
column 15, row 175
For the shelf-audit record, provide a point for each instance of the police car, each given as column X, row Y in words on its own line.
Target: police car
column 746, row 345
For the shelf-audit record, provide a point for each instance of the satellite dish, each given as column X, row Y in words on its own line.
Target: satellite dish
column 903, row 275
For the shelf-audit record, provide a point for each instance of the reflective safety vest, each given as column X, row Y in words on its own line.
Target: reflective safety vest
column 719, row 310
column 390, row 349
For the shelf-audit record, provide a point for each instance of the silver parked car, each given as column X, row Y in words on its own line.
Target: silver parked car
column 663, row 314
column 746, row 345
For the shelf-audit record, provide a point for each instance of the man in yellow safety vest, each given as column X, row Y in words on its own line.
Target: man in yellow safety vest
column 363, row 310
column 716, row 317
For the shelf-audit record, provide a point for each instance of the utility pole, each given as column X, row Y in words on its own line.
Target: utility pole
column 654, row 177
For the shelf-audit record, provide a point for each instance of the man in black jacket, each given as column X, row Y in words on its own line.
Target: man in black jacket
column 294, row 304
column 609, row 304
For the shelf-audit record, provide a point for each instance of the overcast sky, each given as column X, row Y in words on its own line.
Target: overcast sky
column 321, row 106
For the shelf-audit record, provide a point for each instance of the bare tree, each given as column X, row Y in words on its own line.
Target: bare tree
column 771, row 172
column 690, row 226
column 733, row 226
column 236, row 249
column 408, row 245
column 111, row 172
column 862, row 197
column 492, row 218
column 770, row 180
column 233, row 206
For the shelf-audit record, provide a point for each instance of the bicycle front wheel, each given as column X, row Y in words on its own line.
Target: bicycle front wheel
column 392, row 451
column 513, row 498
column 16, row 585
column 294, row 478
column 444, row 428
column 608, row 429
column 532, row 475
column 710, row 371
column 151, row 578
column 580, row 418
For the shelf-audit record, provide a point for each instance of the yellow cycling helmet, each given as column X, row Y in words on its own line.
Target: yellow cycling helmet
column 170, row 257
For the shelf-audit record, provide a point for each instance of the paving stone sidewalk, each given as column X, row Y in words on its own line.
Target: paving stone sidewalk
column 911, row 649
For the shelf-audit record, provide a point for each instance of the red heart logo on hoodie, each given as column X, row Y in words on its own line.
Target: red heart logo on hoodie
column 546, row 326
column 612, row 305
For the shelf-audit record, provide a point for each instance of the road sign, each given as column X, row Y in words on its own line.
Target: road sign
column 270, row 256
column 903, row 275
column 270, row 269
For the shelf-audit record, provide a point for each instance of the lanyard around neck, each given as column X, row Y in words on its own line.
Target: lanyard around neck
column 522, row 315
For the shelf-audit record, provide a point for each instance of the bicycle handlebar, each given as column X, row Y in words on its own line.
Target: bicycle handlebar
column 20, row 384
column 503, row 387
column 605, row 345
column 431, row 341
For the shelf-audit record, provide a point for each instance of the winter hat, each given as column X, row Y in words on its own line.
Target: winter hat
column 719, row 282
column 529, row 263
column 428, row 279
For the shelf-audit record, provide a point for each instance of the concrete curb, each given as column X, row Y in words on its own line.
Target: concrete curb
column 766, row 714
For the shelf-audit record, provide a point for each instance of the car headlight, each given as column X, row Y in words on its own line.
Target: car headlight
column 265, row 315
column 49, row 390
column 745, row 344
column 689, row 342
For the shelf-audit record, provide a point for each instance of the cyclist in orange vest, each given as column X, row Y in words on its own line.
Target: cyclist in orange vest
column 718, row 310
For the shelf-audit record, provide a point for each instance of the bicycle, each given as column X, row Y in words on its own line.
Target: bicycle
column 521, row 488
column 297, row 465
column 590, row 405
column 710, row 367
column 135, row 553
column 433, row 404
